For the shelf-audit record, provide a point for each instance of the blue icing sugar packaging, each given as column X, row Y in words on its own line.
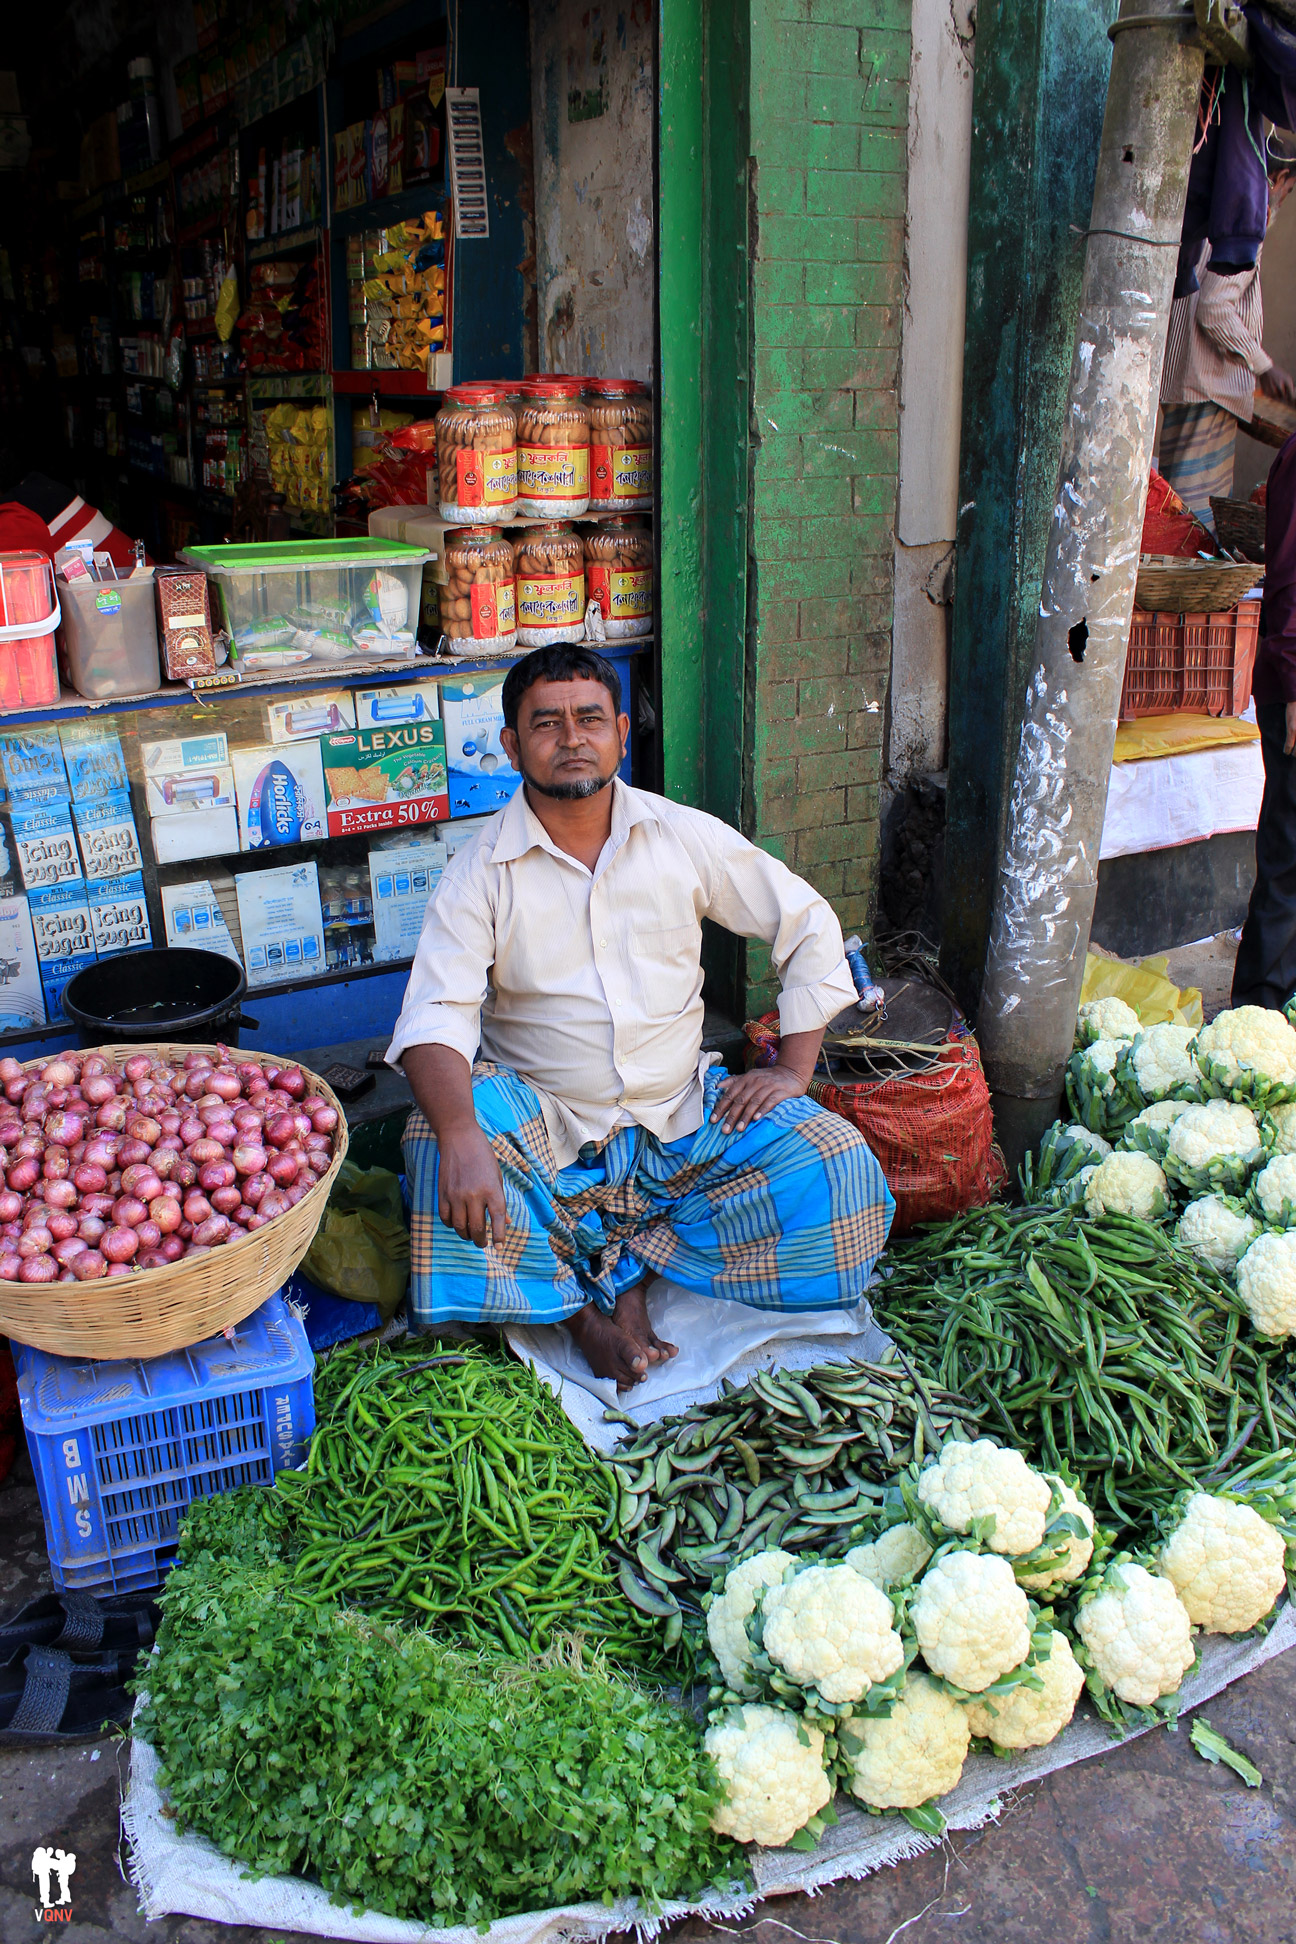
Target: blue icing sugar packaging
column 33, row 766
column 61, row 923
column 22, row 1002
column 96, row 767
column 106, row 832
column 119, row 919
column 45, row 845
column 280, row 790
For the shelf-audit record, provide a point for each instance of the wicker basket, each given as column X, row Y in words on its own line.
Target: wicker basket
column 1166, row 585
column 157, row 1310
column 1272, row 422
column 1240, row 524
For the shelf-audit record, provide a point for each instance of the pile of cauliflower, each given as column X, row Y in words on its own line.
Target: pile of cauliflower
column 980, row 1617
column 1194, row 1126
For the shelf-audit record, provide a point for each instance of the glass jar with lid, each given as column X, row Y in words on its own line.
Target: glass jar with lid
column 621, row 445
column 553, row 450
column 476, row 442
column 619, row 577
column 479, row 600
column 550, row 565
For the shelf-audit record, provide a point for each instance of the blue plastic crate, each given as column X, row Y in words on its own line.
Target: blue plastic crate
column 120, row 1449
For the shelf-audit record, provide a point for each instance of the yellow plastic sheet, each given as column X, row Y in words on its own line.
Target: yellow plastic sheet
column 1145, row 986
column 1178, row 735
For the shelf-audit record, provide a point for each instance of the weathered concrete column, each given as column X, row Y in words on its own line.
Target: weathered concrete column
column 1048, row 876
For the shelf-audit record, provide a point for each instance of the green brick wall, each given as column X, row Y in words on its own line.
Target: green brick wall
column 829, row 121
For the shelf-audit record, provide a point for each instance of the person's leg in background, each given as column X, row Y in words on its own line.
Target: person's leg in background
column 1195, row 455
column 1265, row 972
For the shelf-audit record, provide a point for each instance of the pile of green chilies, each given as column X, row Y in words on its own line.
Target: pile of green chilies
column 796, row 1459
column 451, row 1488
column 1098, row 1345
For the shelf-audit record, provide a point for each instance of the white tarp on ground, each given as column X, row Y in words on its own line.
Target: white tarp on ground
column 187, row 1875
column 1167, row 800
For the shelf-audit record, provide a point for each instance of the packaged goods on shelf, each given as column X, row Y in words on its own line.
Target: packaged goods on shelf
column 383, row 779
column 108, row 641
column 553, row 439
column 187, row 773
column 480, row 776
column 107, row 836
column 28, row 669
column 313, row 714
column 297, row 454
column 281, row 922
column 94, row 761
column 45, row 844
column 476, row 435
column 119, row 919
column 368, row 439
column 60, row 918
column 22, row 1002
column 477, row 603
column 184, row 618
column 550, row 565
column 282, row 327
column 347, row 904
column 31, row 761
column 619, row 577
column 196, row 913
column 280, row 795
column 402, row 878
column 316, row 600
column 396, row 294
column 383, row 707
column 195, row 833
column 621, row 446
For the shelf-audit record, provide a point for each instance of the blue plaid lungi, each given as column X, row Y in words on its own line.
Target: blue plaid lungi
column 789, row 1214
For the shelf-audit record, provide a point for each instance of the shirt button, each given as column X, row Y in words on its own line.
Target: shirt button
column 602, row 944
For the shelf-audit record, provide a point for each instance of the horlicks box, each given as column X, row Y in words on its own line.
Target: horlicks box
column 280, row 789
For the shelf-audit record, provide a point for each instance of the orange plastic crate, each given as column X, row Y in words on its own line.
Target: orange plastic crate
column 1190, row 664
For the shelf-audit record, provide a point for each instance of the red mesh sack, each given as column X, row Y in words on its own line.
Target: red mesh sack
column 932, row 1133
column 1168, row 526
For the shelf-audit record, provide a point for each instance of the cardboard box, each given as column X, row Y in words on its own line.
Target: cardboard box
column 119, row 918
column 33, row 766
column 194, row 918
column 280, row 795
column 386, row 708
column 383, row 779
column 310, row 716
column 106, row 832
column 45, row 845
column 61, row 922
column 480, row 776
column 402, row 878
column 95, row 764
column 281, row 922
column 210, row 750
column 181, row 792
column 461, row 831
column 22, row 1001
column 197, row 833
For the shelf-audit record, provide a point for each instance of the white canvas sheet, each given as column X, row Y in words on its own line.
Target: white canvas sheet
column 1167, row 800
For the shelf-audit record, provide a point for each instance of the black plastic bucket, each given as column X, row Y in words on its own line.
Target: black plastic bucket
column 171, row 993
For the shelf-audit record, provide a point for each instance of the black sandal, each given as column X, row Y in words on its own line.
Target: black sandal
column 80, row 1624
column 46, row 1696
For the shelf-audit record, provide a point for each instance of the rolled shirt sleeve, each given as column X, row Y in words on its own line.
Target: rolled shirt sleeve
column 451, row 971
column 1221, row 315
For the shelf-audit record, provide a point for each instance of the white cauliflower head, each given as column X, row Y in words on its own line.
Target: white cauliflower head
column 1127, row 1184
column 897, row 1554
column 1249, row 1050
column 1029, row 1717
column 1150, row 1128
column 1216, row 1232
column 1085, row 1137
column 1138, row 1634
column 1275, row 1190
column 972, row 1620
column 1213, row 1145
column 1099, row 1062
column 1074, row 1553
column 772, row 1769
column 830, row 1629
column 969, row 1482
column 1161, row 1060
column 727, row 1619
column 1283, row 1122
column 1266, row 1283
column 916, row 1753
column 1105, row 1019
column 1225, row 1562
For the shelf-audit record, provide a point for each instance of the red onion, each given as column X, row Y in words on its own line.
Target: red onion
column 129, row 1211
column 165, row 1163
column 90, row 1228
column 226, row 1201
column 243, row 1214
column 194, row 1059
column 170, row 1120
column 118, row 1268
column 89, row 1266
column 11, row 1069
column 295, row 1193
column 151, row 1259
column 112, row 1116
column 11, row 1267
column 280, row 1130
column 39, row 1269
column 246, row 1070
column 142, row 1127
column 283, row 1169
column 119, row 1244
column 226, row 1083
column 66, row 1249
column 132, row 1176
column 60, row 1194
column 35, row 1241
column 101, row 1152
column 291, row 1081
column 215, row 1174
column 277, row 1102
column 89, row 1178
column 56, row 1165
column 131, row 1153
column 99, row 1089
column 94, row 1063
column 185, row 1172
column 137, row 1067
column 149, row 1235
column 62, row 1223
column 323, row 1118
column 249, row 1159
column 191, row 1129
column 23, row 1175
column 196, row 1208
column 223, row 1131
column 214, row 1230
column 196, row 1085
column 165, row 1214
column 204, row 1151
column 273, row 1202
column 256, row 1221
column 318, row 1144
column 172, row 1248
column 255, row 1187
column 63, row 1128
column 246, row 1119
column 58, row 1074
column 29, row 1147
column 15, row 1089
column 100, row 1204
column 11, row 1205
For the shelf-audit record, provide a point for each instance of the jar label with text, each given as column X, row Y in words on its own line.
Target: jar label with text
column 494, row 610
column 621, row 472
column 553, row 472
column 623, row 596
column 485, row 478
column 551, row 601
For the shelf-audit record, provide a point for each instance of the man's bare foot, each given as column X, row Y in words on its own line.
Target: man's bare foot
column 606, row 1348
column 631, row 1315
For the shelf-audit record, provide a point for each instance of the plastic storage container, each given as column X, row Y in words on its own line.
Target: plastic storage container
column 476, row 434
column 621, row 445
column 291, row 601
column 478, row 603
column 109, row 640
column 619, row 577
column 550, row 563
column 552, row 451
column 121, row 1449
column 29, row 614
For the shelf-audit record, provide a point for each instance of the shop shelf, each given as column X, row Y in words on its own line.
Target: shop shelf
column 386, row 210
column 266, row 248
column 121, row 1449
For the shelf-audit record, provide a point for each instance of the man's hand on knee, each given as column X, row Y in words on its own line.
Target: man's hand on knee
column 749, row 1095
column 471, row 1191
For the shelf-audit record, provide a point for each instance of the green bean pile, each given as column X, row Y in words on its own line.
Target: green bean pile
column 450, row 1488
column 796, row 1460
column 1095, row 1344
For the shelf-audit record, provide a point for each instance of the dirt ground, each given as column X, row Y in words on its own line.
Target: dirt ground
column 1148, row 1843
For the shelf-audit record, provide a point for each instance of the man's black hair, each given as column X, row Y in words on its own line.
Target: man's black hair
column 564, row 662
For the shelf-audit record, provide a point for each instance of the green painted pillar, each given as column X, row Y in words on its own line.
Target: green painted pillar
column 1039, row 97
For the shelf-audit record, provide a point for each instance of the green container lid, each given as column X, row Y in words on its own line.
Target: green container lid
column 292, row 556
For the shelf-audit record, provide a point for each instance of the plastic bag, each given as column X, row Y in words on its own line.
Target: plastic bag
column 361, row 1248
column 1146, row 987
